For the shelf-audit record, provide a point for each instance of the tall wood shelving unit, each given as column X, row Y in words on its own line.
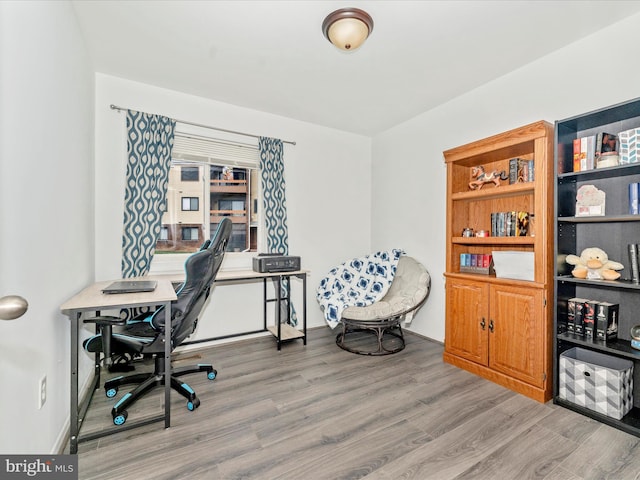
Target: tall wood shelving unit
column 498, row 328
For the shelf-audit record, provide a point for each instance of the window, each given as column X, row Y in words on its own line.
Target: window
column 190, row 204
column 190, row 233
column 208, row 181
column 189, row 174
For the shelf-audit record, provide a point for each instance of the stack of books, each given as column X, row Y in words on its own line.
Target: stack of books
column 521, row 170
column 476, row 263
column 510, row 224
column 587, row 150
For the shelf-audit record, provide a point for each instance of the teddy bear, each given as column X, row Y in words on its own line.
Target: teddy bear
column 594, row 264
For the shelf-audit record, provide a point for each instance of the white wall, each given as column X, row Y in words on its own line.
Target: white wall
column 328, row 175
column 409, row 177
column 46, row 210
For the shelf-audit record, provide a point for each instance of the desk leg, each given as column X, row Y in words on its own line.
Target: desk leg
column 73, row 428
column 264, row 302
column 304, row 308
column 106, row 341
column 167, row 365
column 279, row 308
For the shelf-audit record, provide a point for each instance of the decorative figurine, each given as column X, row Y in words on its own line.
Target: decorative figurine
column 482, row 177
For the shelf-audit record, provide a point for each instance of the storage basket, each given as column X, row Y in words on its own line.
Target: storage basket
column 599, row 382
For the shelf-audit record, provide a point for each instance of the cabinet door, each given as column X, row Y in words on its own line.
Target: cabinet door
column 516, row 334
column 467, row 320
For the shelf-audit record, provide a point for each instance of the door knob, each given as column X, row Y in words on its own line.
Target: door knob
column 12, row 307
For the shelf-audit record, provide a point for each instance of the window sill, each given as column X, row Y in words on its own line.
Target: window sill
column 173, row 264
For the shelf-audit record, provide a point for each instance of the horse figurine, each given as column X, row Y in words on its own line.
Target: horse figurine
column 482, row 177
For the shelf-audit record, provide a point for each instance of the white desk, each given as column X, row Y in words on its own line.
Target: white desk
column 91, row 299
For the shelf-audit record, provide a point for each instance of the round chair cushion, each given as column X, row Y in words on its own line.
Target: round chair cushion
column 407, row 292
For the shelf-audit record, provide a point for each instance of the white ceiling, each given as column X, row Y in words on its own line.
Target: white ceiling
column 272, row 56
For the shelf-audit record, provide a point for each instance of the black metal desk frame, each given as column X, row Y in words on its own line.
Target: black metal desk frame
column 82, row 303
column 277, row 277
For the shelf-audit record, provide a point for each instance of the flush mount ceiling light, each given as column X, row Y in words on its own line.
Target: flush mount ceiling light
column 347, row 28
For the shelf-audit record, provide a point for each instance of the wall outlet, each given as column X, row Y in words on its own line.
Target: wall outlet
column 42, row 391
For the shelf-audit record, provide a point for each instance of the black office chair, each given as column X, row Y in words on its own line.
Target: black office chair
column 145, row 334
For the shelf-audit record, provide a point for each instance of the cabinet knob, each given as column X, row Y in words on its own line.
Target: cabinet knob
column 491, row 326
column 483, row 323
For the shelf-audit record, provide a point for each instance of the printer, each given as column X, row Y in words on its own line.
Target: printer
column 275, row 262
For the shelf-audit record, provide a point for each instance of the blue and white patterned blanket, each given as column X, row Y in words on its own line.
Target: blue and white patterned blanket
column 357, row 283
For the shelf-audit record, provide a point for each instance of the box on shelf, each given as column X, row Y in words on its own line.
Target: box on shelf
column 607, row 321
column 629, row 146
column 599, row 382
column 578, row 319
column 514, row 264
column 589, row 319
column 590, row 201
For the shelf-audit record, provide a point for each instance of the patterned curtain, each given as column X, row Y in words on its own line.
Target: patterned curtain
column 149, row 142
column 275, row 209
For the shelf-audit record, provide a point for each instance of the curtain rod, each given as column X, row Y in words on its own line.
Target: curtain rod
column 119, row 109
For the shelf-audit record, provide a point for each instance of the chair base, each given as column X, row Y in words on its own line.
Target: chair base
column 148, row 381
column 382, row 331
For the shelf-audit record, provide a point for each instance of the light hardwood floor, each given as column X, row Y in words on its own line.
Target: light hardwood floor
column 318, row 412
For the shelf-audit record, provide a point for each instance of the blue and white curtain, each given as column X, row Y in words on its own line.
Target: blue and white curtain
column 275, row 208
column 149, row 143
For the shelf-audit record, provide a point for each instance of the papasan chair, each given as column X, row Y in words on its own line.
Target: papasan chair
column 396, row 287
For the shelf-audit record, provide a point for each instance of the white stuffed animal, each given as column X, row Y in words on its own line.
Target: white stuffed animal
column 594, row 264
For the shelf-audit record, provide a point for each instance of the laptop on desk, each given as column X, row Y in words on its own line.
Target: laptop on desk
column 130, row 286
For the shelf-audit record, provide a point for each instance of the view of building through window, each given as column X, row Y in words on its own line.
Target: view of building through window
column 199, row 196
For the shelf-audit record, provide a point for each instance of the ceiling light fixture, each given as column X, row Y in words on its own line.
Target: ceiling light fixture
column 347, row 28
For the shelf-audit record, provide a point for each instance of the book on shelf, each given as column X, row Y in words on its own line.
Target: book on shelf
column 576, row 155
column 513, row 171
column 634, row 194
column 587, row 152
column 522, row 229
column 521, row 170
column 633, row 262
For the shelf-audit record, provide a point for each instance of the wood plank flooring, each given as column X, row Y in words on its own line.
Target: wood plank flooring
column 318, row 412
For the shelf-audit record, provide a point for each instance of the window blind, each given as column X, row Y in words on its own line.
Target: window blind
column 195, row 148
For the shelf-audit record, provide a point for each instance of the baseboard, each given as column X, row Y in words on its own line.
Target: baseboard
column 424, row 337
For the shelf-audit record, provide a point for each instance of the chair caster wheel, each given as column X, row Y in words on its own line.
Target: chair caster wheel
column 193, row 404
column 120, row 418
column 112, row 392
column 212, row 375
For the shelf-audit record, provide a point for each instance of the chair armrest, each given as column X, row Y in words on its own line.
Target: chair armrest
column 103, row 321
